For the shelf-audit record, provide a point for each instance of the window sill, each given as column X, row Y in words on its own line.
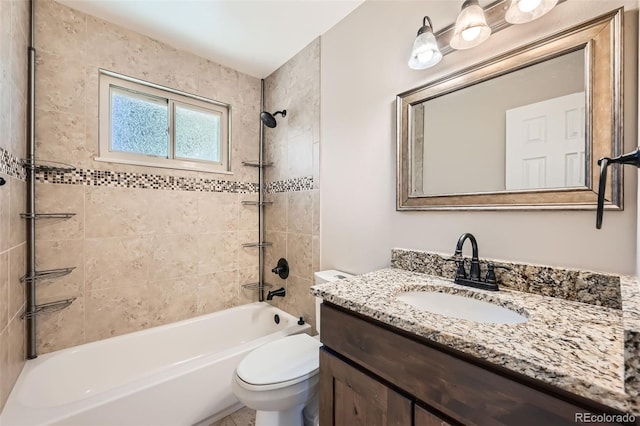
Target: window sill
column 193, row 167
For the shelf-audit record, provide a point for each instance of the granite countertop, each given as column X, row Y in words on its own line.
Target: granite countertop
column 575, row 346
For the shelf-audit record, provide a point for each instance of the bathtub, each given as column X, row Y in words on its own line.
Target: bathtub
column 175, row 374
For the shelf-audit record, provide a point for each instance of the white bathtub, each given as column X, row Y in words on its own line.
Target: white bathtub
column 175, row 374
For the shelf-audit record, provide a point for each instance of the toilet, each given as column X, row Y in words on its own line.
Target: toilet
column 280, row 378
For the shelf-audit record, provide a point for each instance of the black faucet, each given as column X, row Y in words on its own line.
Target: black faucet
column 474, row 273
column 279, row 292
column 473, row 280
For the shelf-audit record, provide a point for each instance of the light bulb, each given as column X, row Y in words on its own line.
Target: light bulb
column 425, row 56
column 528, row 5
column 471, row 33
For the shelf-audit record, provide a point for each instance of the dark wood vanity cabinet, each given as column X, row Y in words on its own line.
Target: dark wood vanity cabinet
column 373, row 374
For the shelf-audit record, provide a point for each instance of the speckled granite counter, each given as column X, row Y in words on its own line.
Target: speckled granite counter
column 575, row 346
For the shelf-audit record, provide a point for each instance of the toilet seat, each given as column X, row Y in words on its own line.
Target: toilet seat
column 281, row 363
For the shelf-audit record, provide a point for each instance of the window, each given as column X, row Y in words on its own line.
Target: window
column 149, row 125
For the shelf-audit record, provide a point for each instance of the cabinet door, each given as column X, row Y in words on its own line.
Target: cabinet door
column 425, row 418
column 349, row 397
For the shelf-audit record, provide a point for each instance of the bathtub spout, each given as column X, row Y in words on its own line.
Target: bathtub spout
column 279, row 292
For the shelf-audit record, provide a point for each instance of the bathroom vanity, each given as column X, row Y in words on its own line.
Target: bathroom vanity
column 387, row 362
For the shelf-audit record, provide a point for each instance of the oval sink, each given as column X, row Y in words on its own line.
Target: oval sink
column 454, row 306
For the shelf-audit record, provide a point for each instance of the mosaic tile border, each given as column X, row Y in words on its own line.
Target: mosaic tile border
column 11, row 165
column 108, row 178
column 570, row 284
column 290, row 185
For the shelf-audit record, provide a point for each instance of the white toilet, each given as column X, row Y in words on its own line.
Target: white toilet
column 280, row 379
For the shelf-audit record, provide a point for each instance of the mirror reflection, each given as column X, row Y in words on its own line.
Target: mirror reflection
column 525, row 130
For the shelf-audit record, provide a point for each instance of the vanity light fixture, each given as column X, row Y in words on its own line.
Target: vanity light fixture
column 523, row 11
column 425, row 52
column 471, row 27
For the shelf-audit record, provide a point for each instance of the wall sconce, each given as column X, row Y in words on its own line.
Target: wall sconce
column 425, row 52
column 523, row 11
column 471, row 27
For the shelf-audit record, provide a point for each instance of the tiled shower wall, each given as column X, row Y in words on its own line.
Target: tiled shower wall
column 150, row 246
column 292, row 221
column 14, row 28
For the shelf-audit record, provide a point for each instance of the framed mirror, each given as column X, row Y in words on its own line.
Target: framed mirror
column 523, row 130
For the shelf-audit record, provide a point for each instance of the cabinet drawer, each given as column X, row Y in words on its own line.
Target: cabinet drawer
column 466, row 392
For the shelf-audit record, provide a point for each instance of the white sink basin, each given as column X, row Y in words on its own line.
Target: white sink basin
column 454, row 306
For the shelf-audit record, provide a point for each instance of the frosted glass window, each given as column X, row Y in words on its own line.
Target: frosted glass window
column 197, row 133
column 139, row 123
column 146, row 124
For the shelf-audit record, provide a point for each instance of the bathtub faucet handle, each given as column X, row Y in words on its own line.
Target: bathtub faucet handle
column 282, row 268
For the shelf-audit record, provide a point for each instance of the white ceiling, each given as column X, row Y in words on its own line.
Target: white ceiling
column 252, row 36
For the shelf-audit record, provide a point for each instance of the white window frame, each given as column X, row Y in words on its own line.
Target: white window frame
column 108, row 79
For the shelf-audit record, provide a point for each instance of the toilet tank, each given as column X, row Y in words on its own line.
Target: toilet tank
column 322, row 277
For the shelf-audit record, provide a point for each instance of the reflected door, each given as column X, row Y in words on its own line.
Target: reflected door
column 546, row 144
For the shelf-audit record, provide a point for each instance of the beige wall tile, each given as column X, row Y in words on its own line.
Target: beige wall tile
column 60, row 199
column 299, row 300
column 117, row 49
column 63, row 32
column 275, row 251
column 59, row 83
column 5, row 212
column 299, row 255
column 276, row 213
column 217, row 212
column 61, row 329
column 116, row 262
column 217, row 252
column 60, row 254
column 249, row 276
column 173, row 212
column 16, row 288
column 300, row 212
column 217, row 291
column 19, row 120
column 12, row 356
column 17, row 349
column 5, row 41
column 172, row 256
column 316, row 165
column 117, row 311
column 19, row 44
column 5, row 98
column 247, row 256
column 315, row 223
column 174, row 300
column 60, row 136
column 300, row 155
column 4, row 290
column 315, row 256
column 5, row 386
column 17, row 204
column 116, row 212
column 248, row 215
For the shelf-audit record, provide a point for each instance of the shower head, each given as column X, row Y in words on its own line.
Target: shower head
column 269, row 119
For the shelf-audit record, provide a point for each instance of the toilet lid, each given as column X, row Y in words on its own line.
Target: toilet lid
column 286, row 359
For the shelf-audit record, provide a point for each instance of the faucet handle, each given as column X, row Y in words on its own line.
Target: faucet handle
column 460, row 270
column 490, row 277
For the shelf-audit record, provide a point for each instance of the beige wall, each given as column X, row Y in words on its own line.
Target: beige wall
column 143, row 257
column 292, row 221
column 359, row 82
column 14, row 27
